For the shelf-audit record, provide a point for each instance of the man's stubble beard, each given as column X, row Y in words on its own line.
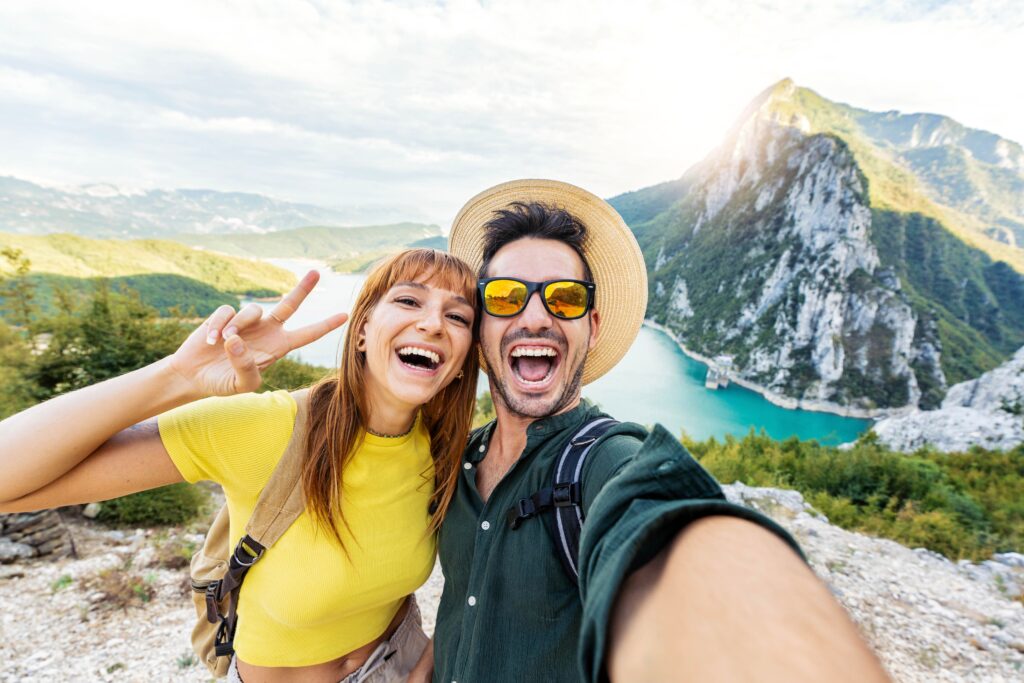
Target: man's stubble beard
column 570, row 392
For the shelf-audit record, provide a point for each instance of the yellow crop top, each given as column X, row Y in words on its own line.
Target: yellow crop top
column 304, row 602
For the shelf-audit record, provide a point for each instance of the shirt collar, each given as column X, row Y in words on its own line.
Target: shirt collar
column 538, row 430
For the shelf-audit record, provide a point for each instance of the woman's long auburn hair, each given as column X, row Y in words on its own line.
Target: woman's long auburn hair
column 338, row 409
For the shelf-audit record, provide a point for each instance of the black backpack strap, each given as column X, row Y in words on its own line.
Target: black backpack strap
column 567, row 520
column 565, row 497
column 246, row 554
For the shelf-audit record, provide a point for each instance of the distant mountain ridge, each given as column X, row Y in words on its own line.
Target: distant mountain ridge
column 102, row 210
column 837, row 272
column 345, row 249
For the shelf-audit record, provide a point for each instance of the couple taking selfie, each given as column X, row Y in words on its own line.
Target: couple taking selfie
column 574, row 547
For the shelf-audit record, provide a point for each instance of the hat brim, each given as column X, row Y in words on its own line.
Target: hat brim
column 611, row 250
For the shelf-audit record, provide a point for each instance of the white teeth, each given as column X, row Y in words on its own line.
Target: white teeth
column 535, row 351
column 415, row 351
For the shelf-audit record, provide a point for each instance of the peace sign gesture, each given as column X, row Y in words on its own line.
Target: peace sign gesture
column 226, row 354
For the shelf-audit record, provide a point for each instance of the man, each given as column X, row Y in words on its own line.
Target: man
column 674, row 583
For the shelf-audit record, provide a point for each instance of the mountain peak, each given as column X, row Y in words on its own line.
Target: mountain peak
column 778, row 105
column 785, row 87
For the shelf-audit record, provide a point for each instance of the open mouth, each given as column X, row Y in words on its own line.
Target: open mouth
column 533, row 365
column 419, row 358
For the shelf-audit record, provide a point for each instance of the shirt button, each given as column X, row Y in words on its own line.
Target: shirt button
column 468, row 466
column 483, row 447
column 472, row 600
column 485, row 525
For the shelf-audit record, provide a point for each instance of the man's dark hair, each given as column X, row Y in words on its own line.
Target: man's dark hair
column 536, row 220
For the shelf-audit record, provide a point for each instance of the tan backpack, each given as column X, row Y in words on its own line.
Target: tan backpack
column 217, row 572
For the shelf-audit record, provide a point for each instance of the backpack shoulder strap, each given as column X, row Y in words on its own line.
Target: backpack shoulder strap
column 564, row 498
column 281, row 502
column 566, row 523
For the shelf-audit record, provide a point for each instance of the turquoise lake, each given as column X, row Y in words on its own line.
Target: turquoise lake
column 655, row 382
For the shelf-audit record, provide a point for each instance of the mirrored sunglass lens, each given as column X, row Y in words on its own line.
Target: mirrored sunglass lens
column 566, row 299
column 504, row 297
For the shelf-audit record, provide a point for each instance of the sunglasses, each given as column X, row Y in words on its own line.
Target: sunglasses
column 504, row 297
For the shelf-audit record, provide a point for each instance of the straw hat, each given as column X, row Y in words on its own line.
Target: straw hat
column 612, row 253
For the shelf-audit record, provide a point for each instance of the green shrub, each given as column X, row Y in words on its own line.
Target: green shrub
column 292, row 374
column 964, row 505
column 174, row 504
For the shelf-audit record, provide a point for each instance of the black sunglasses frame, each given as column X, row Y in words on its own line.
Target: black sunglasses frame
column 532, row 287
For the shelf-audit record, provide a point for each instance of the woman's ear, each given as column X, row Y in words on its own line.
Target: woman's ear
column 361, row 337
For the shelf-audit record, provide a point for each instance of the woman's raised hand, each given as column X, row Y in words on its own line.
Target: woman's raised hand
column 226, row 354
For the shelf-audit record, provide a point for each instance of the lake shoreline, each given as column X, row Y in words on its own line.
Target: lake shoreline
column 781, row 401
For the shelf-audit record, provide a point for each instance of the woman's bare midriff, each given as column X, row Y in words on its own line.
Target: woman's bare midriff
column 327, row 672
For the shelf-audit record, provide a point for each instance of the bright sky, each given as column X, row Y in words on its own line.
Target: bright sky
column 424, row 104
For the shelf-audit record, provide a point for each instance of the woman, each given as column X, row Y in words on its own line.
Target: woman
column 334, row 588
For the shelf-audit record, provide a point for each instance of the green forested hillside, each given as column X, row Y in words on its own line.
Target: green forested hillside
column 640, row 206
column 344, row 248
column 977, row 304
column 81, row 257
column 168, row 294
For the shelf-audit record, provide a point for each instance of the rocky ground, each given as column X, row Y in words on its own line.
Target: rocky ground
column 987, row 412
column 120, row 611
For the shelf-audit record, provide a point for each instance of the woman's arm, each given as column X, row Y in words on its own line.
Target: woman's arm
column 132, row 460
column 47, row 441
column 83, row 446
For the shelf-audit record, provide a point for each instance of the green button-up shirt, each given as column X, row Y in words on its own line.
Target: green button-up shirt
column 509, row 612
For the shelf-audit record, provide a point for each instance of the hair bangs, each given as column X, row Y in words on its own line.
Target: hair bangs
column 430, row 266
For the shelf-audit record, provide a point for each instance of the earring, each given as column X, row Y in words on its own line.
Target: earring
column 459, row 376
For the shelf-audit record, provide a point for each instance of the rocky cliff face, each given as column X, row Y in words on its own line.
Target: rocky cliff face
column 772, row 251
column 987, row 412
column 781, row 225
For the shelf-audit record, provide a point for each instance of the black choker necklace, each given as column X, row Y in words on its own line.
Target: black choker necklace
column 392, row 436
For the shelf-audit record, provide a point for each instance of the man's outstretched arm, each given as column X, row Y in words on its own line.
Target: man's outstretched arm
column 728, row 600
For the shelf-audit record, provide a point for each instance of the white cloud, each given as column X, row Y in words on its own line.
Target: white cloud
column 426, row 103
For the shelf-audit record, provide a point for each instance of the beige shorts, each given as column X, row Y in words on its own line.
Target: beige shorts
column 393, row 659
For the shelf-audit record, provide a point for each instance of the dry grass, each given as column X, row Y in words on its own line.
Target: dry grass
column 120, row 588
column 173, row 553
